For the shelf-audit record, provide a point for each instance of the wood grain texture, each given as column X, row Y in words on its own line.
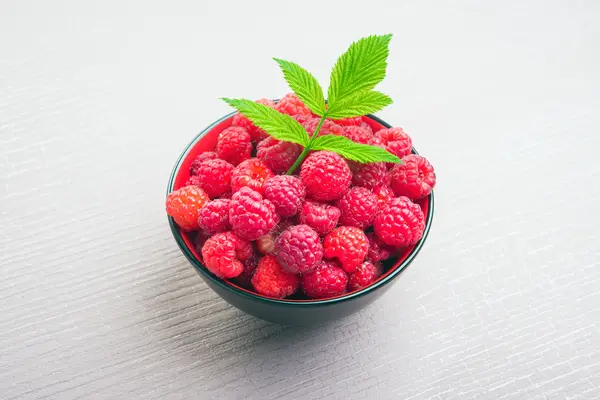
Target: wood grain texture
column 97, row 102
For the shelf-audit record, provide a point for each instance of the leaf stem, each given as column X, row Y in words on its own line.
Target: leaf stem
column 302, row 155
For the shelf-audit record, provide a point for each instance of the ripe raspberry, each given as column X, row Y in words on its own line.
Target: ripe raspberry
column 279, row 156
column 286, row 193
column 414, row 179
column 256, row 134
column 214, row 216
column 378, row 251
column 369, row 175
column 207, row 155
column 325, row 175
column 233, row 145
column 244, row 279
column 326, row 280
column 319, row 216
column 298, row 249
column 270, row 279
column 400, row 223
column 192, row 181
column 365, row 274
column 357, row 134
column 358, row 207
column 184, row 204
column 250, row 215
column 395, row 140
column 223, row 253
column 355, row 121
column 252, row 173
column 290, row 104
column 366, row 126
column 384, row 194
column 328, row 128
column 349, row 244
column 214, row 176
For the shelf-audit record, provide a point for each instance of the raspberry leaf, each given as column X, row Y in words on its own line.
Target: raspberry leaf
column 362, row 153
column 304, row 84
column 362, row 103
column 280, row 126
column 360, row 68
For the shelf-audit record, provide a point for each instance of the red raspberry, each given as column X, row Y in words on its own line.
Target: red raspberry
column 184, row 204
column 328, row 128
column 357, row 134
column 270, row 279
column 326, row 280
column 414, row 179
column 319, row 216
column 365, row 274
column 349, row 244
column 250, row 215
column 369, row 175
column 233, row 145
column 207, row 155
column 192, row 181
column 286, row 193
column 298, row 249
column 358, row 207
column 214, row 216
column 384, row 194
column 325, row 175
column 290, row 104
column 395, row 140
column 244, row 279
column 214, row 176
column 279, row 156
column 367, row 127
column 355, row 121
column 378, row 251
column 223, row 253
column 252, row 173
column 256, row 134
column 400, row 223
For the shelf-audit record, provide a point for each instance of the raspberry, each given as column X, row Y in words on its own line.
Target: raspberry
column 214, row 176
column 223, row 253
column 325, row 175
column 233, row 145
column 245, row 277
column 328, row 128
column 358, row 207
column 214, row 216
column 400, row 223
column 270, row 279
column 266, row 244
column 355, row 121
column 321, row 217
column 256, row 134
column 369, row 175
column 357, row 134
column 286, row 193
column 184, row 204
column 378, row 251
column 298, row 249
column 326, row 280
column 250, row 215
column 384, row 194
column 349, row 244
column 207, row 155
column 365, row 274
column 252, row 173
column 279, row 156
column 367, row 127
column 282, row 226
column 192, row 181
column 290, row 104
column 395, row 140
column 414, row 179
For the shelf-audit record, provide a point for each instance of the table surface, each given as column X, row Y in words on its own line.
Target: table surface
column 97, row 101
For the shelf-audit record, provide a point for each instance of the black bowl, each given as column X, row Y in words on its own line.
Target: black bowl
column 295, row 311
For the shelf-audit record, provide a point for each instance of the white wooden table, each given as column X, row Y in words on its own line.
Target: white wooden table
column 97, row 100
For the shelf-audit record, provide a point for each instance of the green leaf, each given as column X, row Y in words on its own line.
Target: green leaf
column 280, row 126
column 350, row 150
column 360, row 68
column 362, row 103
column 304, row 85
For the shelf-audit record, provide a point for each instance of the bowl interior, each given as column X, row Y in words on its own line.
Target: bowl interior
column 206, row 141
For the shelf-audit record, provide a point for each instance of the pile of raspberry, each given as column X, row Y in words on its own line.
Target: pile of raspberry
column 322, row 232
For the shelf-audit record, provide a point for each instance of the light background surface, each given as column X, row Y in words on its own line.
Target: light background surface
column 98, row 99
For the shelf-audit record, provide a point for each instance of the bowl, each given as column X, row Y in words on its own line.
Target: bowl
column 292, row 311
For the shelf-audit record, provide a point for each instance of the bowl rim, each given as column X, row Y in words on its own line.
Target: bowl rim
column 201, row 269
